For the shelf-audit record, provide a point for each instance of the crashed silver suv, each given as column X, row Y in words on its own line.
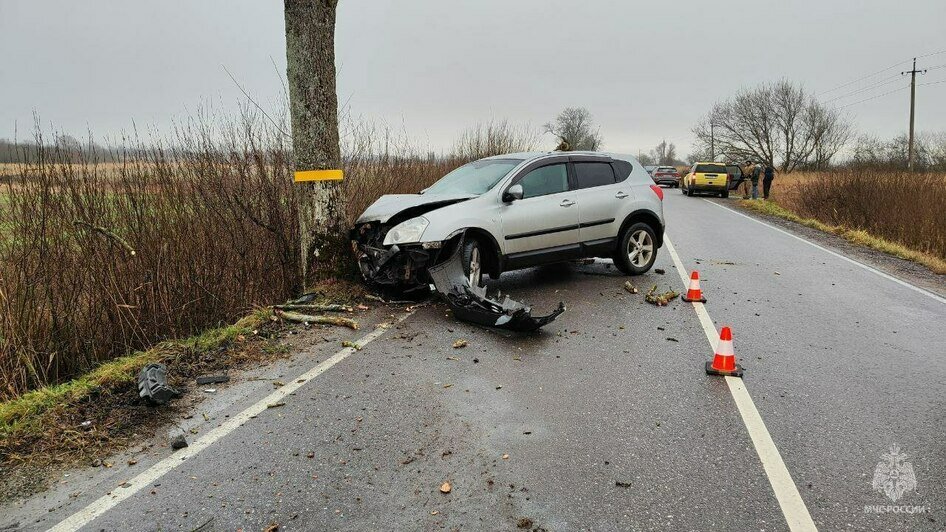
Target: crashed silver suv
column 514, row 211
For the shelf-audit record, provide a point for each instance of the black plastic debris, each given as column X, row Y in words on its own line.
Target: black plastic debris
column 153, row 384
column 212, row 379
column 471, row 303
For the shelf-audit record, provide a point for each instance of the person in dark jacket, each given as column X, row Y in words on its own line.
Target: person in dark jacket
column 767, row 180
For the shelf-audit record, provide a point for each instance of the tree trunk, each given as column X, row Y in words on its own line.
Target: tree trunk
column 313, row 104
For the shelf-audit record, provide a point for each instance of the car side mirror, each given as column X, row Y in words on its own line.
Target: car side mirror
column 513, row 193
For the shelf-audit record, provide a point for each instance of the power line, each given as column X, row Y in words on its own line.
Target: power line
column 931, row 83
column 880, row 83
column 873, row 97
column 881, row 71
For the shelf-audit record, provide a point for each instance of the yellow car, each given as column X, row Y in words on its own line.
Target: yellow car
column 706, row 177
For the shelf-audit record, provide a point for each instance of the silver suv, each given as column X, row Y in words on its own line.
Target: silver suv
column 515, row 211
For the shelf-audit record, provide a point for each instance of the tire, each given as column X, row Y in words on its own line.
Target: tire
column 689, row 193
column 724, row 194
column 638, row 237
column 474, row 255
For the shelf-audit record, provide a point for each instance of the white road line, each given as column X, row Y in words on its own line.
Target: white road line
column 147, row 477
column 793, row 507
column 901, row 282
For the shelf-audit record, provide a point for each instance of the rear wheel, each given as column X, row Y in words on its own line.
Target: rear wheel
column 637, row 249
column 473, row 258
column 689, row 192
column 724, row 194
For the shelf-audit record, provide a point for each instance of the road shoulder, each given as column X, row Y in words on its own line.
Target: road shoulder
column 906, row 270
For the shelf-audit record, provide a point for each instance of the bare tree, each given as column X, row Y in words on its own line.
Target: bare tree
column 777, row 124
column 575, row 129
column 313, row 106
column 495, row 137
column 664, row 154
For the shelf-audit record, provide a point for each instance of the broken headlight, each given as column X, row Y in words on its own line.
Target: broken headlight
column 407, row 231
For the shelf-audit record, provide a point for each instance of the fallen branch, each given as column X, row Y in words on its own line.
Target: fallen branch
column 323, row 320
column 660, row 300
column 320, row 308
column 107, row 234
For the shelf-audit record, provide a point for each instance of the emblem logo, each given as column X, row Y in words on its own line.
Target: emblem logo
column 893, row 475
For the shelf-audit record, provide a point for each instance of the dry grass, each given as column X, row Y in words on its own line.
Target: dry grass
column 897, row 213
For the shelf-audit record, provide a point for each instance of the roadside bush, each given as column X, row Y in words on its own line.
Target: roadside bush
column 899, row 206
column 100, row 259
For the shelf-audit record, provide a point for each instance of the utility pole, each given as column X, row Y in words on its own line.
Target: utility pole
column 313, row 107
column 712, row 142
column 913, row 74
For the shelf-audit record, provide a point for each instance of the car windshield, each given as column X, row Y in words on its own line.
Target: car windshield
column 711, row 169
column 474, row 178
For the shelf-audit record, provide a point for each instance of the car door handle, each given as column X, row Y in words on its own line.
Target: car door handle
column 567, row 203
column 620, row 195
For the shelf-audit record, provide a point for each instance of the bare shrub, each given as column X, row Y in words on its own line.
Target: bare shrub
column 495, row 137
column 884, row 203
column 97, row 259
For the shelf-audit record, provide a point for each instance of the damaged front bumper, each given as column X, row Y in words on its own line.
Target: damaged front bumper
column 470, row 303
column 395, row 269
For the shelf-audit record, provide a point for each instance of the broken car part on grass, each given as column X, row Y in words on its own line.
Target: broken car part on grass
column 153, row 385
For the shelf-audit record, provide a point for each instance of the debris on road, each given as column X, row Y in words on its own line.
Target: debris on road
column 629, row 286
column 273, row 527
column 459, row 343
column 353, row 345
column 524, row 522
column 178, row 442
column 212, row 379
column 322, row 320
column 276, row 405
column 153, row 385
column 471, row 303
column 622, row 484
column 659, row 271
column 446, row 487
column 671, row 339
column 660, row 299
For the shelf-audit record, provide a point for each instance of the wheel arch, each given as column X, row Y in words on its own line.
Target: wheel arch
column 494, row 257
column 648, row 217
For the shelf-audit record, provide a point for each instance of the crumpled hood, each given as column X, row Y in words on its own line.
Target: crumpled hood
column 388, row 205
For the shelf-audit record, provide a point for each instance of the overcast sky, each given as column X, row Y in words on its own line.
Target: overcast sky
column 646, row 70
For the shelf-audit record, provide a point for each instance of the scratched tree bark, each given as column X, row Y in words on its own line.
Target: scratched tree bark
column 313, row 103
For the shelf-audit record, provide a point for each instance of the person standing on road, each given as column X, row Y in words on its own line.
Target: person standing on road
column 767, row 180
column 756, row 173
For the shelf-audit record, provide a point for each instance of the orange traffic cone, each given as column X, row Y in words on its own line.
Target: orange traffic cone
column 694, row 294
column 724, row 362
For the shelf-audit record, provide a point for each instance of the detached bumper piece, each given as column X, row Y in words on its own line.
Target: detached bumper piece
column 471, row 303
column 153, row 385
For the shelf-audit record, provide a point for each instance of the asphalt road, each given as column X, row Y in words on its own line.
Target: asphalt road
column 603, row 421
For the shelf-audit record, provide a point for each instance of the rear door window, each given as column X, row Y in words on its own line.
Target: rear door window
column 550, row 179
column 710, row 169
column 593, row 174
column 622, row 169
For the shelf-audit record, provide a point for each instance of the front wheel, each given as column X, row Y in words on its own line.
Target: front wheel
column 637, row 249
column 473, row 257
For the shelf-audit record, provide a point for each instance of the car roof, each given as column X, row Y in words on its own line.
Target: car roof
column 711, row 162
column 531, row 155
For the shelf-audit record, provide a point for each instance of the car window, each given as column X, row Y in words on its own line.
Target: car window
column 594, row 174
column 711, row 169
column 622, row 169
column 474, row 178
column 550, row 179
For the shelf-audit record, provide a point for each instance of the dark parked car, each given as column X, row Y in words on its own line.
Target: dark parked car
column 666, row 175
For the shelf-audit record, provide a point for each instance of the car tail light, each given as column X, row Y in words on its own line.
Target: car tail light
column 659, row 191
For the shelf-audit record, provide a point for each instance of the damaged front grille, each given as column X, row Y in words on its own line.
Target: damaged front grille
column 396, row 270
